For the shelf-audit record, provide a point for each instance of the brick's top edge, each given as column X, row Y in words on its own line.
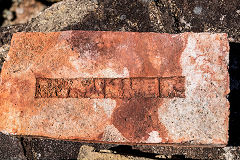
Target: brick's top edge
column 124, row 32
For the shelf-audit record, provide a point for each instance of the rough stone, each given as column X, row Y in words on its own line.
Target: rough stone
column 138, row 16
column 3, row 54
column 43, row 148
column 202, row 16
column 11, row 148
column 22, row 11
column 72, row 85
column 87, row 152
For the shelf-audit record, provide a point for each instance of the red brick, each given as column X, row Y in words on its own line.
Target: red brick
column 114, row 88
column 145, row 87
column 172, row 87
column 117, row 87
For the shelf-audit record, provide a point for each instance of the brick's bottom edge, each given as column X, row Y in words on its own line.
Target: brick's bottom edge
column 57, row 149
column 183, row 144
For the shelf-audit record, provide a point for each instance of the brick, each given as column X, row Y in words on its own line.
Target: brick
column 147, row 87
column 172, row 87
column 114, row 88
column 117, row 87
column 120, row 88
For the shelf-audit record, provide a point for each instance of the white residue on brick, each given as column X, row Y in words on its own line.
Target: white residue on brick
column 201, row 116
column 107, row 104
column 82, row 69
column 154, row 137
column 111, row 134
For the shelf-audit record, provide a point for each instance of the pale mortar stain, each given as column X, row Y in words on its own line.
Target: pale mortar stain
column 154, row 137
column 107, row 104
column 194, row 112
column 111, row 134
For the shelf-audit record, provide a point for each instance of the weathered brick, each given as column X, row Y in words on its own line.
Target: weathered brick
column 145, row 87
column 172, row 87
column 114, row 88
column 117, row 87
column 167, row 87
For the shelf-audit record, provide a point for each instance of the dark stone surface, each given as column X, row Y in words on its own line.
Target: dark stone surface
column 7, row 32
column 142, row 16
column 43, row 148
column 116, row 15
column 11, row 147
column 204, row 16
column 137, row 16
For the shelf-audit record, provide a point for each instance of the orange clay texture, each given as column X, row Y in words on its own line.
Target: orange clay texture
column 124, row 87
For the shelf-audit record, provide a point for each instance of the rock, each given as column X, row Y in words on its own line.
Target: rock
column 87, row 152
column 140, row 15
column 94, row 15
column 203, row 16
column 22, row 11
column 53, row 81
column 43, row 148
column 40, row 148
column 3, row 54
column 11, row 148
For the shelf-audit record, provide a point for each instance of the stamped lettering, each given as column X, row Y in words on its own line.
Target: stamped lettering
column 167, row 87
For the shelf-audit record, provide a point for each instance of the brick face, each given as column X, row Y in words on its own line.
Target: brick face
column 145, row 87
column 114, row 88
column 172, row 87
column 123, row 87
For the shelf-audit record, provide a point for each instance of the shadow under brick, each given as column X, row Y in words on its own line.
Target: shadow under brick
column 234, row 96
